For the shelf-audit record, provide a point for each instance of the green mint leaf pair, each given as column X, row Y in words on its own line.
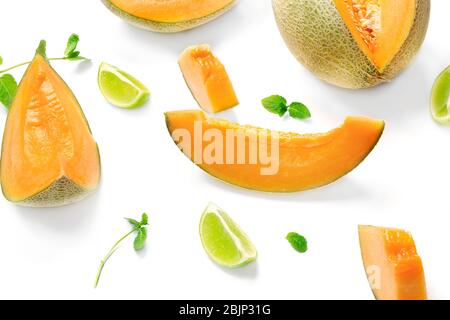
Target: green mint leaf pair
column 8, row 89
column 298, row 242
column 139, row 227
column 278, row 105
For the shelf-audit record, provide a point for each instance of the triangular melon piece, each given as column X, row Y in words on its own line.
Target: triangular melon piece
column 49, row 156
column 380, row 27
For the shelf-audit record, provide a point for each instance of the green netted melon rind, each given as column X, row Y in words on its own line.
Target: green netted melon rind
column 165, row 27
column 318, row 37
column 60, row 193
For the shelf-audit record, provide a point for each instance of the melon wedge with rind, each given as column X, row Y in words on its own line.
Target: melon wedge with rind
column 166, row 25
column 300, row 162
column 120, row 88
column 440, row 98
column 49, row 155
column 223, row 240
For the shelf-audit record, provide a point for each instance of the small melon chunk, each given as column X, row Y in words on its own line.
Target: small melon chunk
column 380, row 27
column 207, row 79
column 49, row 156
column 393, row 267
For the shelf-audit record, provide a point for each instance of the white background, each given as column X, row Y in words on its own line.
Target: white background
column 405, row 182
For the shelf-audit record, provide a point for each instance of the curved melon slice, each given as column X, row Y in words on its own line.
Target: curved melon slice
column 272, row 161
column 49, row 156
column 207, row 79
column 393, row 267
column 168, row 15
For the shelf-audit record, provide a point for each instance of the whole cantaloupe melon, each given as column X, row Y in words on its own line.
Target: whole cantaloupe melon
column 353, row 43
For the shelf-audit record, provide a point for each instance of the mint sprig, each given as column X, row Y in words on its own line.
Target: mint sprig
column 138, row 228
column 278, row 105
column 297, row 241
column 8, row 84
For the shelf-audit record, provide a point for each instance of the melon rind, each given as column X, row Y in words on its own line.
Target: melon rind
column 318, row 37
column 60, row 193
column 165, row 27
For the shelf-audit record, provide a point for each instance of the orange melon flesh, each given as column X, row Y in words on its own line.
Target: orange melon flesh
column 47, row 139
column 170, row 11
column 393, row 253
column 380, row 27
column 304, row 161
column 207, row 79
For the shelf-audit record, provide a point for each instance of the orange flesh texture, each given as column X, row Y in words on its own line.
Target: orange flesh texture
column 207, row 79
column 46, row 137
column 305, row 161
column 170, row 10
column 394, row 253
column 380, row 27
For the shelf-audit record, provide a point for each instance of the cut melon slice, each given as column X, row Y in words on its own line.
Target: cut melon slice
column 168, row 15
column 207, row 79
column 271, row 161
column 394, row 269
column 49, row 157
column 380, row 27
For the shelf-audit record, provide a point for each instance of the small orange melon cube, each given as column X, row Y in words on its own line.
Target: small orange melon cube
column 207, row 79
column 393, row 267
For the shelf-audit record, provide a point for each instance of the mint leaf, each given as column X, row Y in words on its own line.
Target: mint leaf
column 72, row 45
column 1, row 60
column 8, row 89
column 133, row 222
column 299, row 111
column 139, row 242
column 298, row 242
column 144, row 220
column 275, row 104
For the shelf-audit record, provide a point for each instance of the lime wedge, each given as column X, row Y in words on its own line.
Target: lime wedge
column 121, row 89
column 440, row 103
column 223, row 240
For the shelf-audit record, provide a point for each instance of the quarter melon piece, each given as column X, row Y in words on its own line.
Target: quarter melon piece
column 207, row 79
column 49, row 157
column 394, row 268
column 168, row 16
column 272, row 161
column 353, row 43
